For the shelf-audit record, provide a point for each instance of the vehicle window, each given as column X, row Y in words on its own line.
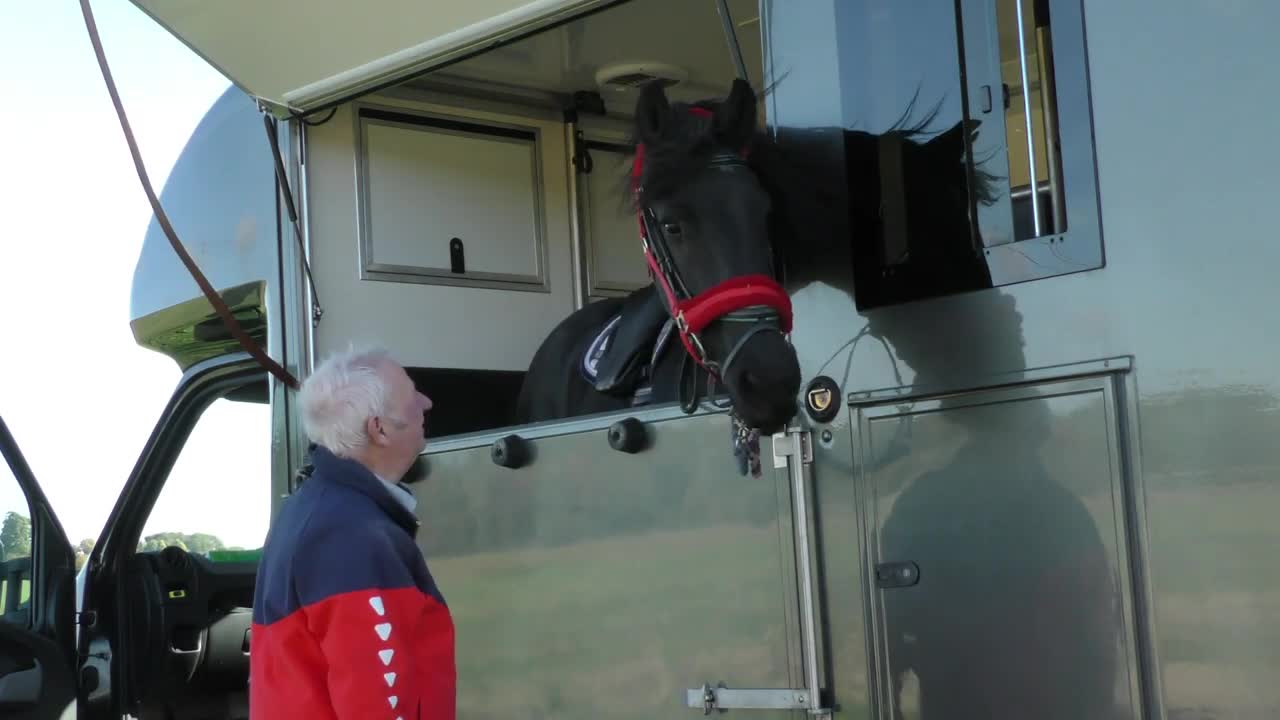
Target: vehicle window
column 217, row 499
column 15, row 549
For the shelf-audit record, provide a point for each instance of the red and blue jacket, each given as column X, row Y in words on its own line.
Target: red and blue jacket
column 347, row 620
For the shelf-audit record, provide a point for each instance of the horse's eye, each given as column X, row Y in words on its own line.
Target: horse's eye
column 671, row 228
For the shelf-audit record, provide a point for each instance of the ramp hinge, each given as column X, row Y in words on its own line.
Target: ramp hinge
column 720, row 699
column 792, row 444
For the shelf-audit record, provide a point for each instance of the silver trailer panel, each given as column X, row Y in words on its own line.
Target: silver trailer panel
column 1185, row 436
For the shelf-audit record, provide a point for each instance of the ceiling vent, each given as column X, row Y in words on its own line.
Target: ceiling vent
column 622, row 77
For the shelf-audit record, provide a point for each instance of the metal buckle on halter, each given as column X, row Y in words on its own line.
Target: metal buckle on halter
column 683, row 326
column 697, row 345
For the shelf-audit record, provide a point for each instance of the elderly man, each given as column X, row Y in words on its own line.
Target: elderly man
column 347, row 621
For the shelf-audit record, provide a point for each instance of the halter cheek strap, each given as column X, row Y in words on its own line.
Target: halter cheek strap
column 692, row 314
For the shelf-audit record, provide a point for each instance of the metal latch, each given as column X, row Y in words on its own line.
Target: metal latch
column 722, row 699
column 788, row 445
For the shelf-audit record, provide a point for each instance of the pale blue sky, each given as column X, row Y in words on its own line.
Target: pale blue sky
column 75, row 390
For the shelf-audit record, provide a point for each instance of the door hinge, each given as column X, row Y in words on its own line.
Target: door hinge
column 721, row 699
column 88, row 618
column 791, row 444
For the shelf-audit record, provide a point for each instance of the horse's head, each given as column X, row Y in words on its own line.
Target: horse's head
column 705, row 219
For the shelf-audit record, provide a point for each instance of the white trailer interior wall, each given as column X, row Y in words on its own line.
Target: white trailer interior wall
column 415, row 180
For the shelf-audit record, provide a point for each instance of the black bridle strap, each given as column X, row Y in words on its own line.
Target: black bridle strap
column 733, row 352
column 657, row 240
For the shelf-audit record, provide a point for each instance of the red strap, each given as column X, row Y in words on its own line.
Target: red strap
column 735, row 294
column 637, row 167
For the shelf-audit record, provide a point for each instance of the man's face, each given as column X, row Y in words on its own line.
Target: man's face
column 403, row 435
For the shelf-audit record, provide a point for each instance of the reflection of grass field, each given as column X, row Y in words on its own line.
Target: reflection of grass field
column 617, row 628
column 1213, row 549
column 1217, row 594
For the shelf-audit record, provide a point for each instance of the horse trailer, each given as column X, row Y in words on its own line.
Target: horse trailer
column 789, row 357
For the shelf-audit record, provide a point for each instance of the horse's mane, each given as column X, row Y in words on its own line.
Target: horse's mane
column 985, row 184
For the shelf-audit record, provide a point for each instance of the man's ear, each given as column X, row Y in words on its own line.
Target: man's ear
column 373, row 428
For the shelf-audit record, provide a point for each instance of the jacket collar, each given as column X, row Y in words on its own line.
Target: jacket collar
column 343, row 471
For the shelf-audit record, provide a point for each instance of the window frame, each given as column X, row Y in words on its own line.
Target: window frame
column 813, row 112
column 1080, row 247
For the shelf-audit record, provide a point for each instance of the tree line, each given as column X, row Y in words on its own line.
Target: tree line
column 15, row 541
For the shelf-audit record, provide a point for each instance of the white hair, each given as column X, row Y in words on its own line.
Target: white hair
column 339, row 397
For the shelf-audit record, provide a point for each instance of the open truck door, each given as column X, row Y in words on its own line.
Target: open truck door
column 154, row 629
column 148, row 629
column 37, row 569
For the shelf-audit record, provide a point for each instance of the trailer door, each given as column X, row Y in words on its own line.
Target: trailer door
column 997, row 552
column 593, row 582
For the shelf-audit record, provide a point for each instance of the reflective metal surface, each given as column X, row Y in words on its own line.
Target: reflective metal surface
column 222, row 199
column 1008, row 506
column 593, row 583
column 1184, row 161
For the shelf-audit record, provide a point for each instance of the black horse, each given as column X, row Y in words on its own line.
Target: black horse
column 704, row 211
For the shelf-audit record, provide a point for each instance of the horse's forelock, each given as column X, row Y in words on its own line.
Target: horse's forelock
column 686, row 145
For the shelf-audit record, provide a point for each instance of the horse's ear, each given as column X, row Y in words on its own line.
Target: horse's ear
column 652, row 112
column 736, row 116
column 951, row 142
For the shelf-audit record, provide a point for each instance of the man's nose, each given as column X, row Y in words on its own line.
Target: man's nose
column 426, row 402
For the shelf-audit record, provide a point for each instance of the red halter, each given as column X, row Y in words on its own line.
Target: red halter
column 693, row 314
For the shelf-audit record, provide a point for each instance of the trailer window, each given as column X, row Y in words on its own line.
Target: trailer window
column 956, row 137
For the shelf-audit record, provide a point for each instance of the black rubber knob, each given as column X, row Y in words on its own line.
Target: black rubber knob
column 628, row 436
column 511, row 451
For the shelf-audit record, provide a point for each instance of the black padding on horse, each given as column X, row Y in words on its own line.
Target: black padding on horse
column 622, row 366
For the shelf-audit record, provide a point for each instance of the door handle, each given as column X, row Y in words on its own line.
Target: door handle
column 897, row 574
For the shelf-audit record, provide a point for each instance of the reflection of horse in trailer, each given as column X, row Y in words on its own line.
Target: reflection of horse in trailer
column 981, row 519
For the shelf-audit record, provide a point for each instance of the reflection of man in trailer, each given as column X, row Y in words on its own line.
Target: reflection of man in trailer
column 1015, row 613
